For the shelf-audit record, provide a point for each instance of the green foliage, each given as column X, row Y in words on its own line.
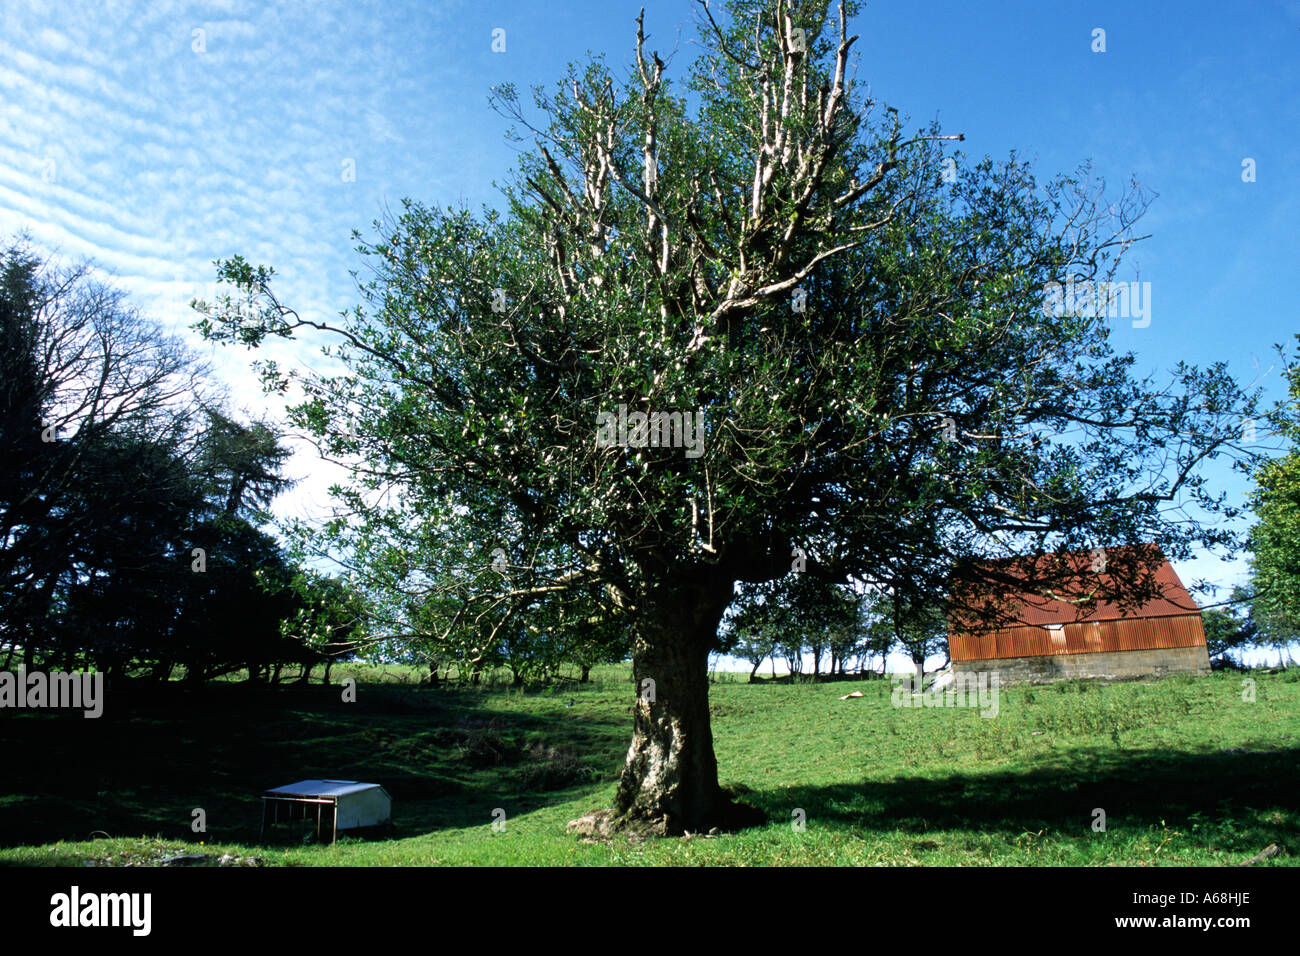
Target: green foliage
column 1275, row 538
column 1227, row 631
column 331, row 616
column 919, row 630
column 240, row 465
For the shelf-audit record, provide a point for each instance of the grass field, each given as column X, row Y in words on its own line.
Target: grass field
column 1185, row 770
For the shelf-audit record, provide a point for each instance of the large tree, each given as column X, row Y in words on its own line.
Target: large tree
column 722, row 333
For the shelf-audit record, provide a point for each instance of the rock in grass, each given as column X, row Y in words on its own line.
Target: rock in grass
column 1271, row 850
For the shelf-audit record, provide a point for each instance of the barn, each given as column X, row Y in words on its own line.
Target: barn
column 1077, row 632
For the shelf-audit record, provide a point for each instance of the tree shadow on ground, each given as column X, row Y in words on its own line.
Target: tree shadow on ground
column 447, row 757
column 1236, row 801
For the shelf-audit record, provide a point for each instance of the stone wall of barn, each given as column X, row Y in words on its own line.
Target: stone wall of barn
column 1109, row 665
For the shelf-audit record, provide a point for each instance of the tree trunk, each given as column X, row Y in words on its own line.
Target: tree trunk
column 670, row 780
column 586, row 673
column 795, row 666
column 753, row 674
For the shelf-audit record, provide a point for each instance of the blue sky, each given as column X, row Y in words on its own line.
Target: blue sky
column 156, row 137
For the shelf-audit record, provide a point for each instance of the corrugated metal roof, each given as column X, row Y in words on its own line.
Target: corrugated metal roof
column 1085, row 595
column 323, row 788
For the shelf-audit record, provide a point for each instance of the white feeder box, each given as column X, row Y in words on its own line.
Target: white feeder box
column 334, row 804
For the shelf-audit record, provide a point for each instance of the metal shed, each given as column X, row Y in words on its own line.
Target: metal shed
column 335, row 804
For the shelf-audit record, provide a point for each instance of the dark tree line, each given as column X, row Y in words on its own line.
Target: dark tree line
column 131, row 503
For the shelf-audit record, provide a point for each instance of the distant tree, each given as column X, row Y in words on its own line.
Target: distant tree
column 328, row 624
column 921, row 631
column 231, row 613
column 750, row 632
column 1226, row 632
column 1273, row 629
column 599, row 638
column 791, row 616
column 755, row 648
column 241, row 465
column 846, row 639
column 116, row 464
column 117, row 599
column 791, row 649
column 879, row 635
column 832, row 620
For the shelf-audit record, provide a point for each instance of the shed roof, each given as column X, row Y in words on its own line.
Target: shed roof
column 323, row 788
column 1088, row 595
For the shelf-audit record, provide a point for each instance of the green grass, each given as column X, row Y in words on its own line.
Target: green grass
column 876, row 784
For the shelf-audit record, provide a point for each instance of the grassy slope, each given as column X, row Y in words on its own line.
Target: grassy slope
column 877, row 784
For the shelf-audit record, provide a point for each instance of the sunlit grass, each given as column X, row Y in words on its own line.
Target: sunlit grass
column 1185, row 770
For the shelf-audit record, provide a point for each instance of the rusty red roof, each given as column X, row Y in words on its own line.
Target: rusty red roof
column 1086, row 586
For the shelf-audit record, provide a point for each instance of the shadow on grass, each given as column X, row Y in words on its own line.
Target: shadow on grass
column 447, row 757
column 1229, row 801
